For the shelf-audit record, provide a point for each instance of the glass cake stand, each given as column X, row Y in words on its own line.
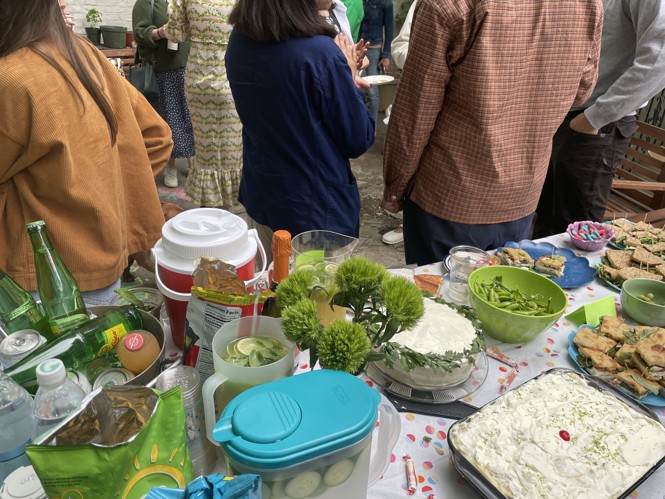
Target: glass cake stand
column 443, row 395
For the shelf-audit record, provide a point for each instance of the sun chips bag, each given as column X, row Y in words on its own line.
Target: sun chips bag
column 121, row 443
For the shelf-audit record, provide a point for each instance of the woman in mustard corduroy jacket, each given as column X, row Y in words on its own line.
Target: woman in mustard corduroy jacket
column 79, row 148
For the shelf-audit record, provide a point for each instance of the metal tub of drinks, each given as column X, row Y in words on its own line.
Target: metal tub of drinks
column 151, row 324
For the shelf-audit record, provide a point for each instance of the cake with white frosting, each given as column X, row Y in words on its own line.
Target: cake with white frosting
column 558, row 437
column 445, row 341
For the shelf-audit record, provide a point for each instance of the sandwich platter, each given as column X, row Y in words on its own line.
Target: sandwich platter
column 577, row 271
column 574, row 352
column 630, row 235
column 617, row 265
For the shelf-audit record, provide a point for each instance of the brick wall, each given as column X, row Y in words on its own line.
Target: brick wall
column 119, row 12
column 114, row 12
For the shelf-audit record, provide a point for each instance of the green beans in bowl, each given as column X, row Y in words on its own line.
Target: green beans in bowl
column 515, row 305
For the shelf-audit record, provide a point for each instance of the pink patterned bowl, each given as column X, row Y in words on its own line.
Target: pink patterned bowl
column 576, row 229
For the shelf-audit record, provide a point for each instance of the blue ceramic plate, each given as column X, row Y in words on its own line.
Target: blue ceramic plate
column 652, row 400
column 577, row 273
column 610, row 284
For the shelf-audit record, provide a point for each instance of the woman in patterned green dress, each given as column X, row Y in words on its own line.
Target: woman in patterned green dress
column 216, row 170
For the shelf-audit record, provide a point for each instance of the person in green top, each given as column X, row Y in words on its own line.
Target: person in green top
column 170, row 60
column 355, row 13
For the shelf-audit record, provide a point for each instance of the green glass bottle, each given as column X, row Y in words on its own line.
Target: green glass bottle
column 79, row 345
column 19, row 310
column 60, row 295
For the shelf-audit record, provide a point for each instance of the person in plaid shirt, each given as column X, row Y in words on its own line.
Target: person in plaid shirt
column 484, row 89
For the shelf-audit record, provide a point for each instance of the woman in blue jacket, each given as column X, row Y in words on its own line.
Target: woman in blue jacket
column 303, row 117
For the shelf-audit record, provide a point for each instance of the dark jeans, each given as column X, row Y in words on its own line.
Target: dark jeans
column 428, row 239
column 580, row 175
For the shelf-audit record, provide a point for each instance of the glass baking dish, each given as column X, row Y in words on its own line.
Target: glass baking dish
column 483, row 484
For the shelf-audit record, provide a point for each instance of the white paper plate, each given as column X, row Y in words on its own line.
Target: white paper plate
column 378, row 79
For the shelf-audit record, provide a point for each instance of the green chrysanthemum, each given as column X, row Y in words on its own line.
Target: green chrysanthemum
column 301, row 323
column 359, row 273
column 294, row 288
column 403, row 301
column 343, row 346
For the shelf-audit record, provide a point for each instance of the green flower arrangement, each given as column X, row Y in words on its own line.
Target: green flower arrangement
column 381, row 305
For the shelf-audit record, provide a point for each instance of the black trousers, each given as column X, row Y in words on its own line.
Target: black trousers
column 428, row 239
column 580, row 174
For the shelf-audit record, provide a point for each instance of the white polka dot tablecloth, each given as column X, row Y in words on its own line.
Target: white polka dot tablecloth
column 424, row 437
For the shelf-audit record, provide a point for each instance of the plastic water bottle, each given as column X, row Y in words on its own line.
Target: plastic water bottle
column 57, row 397
column 15, row 426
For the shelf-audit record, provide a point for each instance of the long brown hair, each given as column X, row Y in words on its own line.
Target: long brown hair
column 279, row 20
column 39, row 25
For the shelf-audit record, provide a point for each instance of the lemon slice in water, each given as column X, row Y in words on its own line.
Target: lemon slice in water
column 246, row 345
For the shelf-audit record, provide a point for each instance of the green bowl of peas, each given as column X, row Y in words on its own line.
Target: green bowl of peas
column 514, row 304
column 644, row 301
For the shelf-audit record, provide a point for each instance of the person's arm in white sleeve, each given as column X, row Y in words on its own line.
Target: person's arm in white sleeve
column 400, row 45
column 646, row 77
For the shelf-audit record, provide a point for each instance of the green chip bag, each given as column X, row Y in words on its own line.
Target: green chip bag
column 121, row 443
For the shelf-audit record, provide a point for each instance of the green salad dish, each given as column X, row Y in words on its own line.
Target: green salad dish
column 513, row 304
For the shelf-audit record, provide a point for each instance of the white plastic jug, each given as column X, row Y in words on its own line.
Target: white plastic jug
column 230, row 380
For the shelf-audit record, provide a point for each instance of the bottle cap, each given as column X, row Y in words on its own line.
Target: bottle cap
column 22, row 483
column 133, row 342
column 281, row 250
column 51, row 372
column 281, row 242
column 35, row 226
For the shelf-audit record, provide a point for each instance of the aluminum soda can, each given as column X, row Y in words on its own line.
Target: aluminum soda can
column 17, row 346
column 80, row 379
column 113, row 377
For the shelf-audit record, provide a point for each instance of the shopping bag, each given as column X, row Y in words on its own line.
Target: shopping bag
column 142, row 76
column 121, row 443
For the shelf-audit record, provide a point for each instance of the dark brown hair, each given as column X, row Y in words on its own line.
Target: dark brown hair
column 279, row 20
column 39, row 25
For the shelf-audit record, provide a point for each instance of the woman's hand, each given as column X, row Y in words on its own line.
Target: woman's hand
column 158, row 34
column 361, row 51
column 349, row 51
column 361, row 83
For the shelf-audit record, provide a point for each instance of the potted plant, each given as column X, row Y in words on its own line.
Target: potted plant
column 381, row 305
column 94, row 18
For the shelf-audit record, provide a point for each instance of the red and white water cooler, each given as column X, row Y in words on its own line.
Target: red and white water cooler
column 208, row 232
